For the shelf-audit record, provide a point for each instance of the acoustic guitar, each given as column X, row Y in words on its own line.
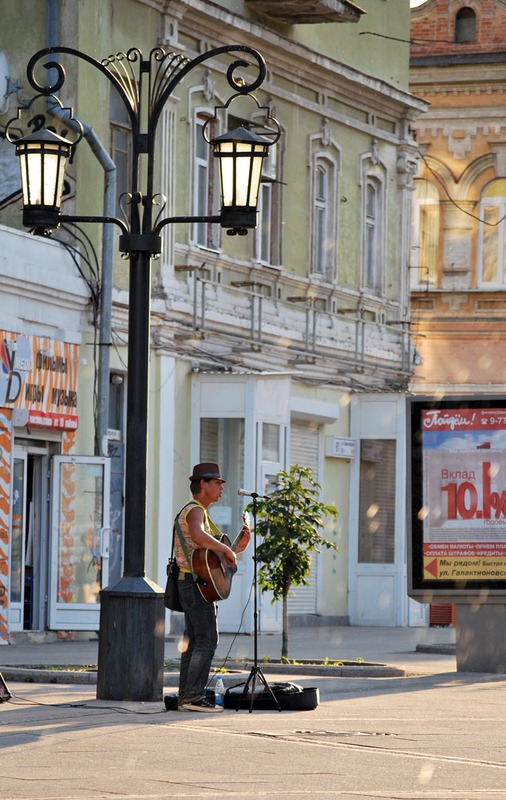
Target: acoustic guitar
column 215, row 576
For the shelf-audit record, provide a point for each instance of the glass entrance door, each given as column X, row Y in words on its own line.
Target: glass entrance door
column 18, row 584
column 29, row 539
column 79, row 541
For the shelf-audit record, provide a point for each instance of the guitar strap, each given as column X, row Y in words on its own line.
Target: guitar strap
column 177, row 529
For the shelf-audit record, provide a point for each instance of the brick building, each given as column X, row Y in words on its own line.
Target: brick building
column 458, row 28
column 458, row 258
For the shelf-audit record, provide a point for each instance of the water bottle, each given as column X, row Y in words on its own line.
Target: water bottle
column 219, row 693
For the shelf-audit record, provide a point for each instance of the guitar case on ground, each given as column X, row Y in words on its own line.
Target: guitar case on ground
column 289, row 696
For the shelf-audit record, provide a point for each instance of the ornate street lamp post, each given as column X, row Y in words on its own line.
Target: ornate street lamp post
column 132, row 615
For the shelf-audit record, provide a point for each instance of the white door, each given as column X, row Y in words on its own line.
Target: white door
column 79, row 541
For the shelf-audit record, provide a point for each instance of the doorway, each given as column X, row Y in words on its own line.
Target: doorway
column 29, row 538
column 59, row 550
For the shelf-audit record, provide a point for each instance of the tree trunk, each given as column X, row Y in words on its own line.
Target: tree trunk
column 284, row 635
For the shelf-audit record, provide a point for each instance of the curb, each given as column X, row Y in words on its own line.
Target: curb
column 345, row 670
column 443, row 649
column 58, row 676
column 22, row 675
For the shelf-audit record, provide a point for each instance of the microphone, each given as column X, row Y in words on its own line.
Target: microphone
column 245, row 493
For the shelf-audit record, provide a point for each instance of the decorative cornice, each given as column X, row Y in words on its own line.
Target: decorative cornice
column 300, row 12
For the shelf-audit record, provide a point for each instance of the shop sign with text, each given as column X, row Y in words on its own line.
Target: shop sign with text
column 39, row 375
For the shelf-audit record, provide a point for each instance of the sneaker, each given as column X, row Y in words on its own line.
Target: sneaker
column 200, row 705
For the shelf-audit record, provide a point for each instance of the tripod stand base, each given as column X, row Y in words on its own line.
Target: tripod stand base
column 265, row 699
column 4, row 692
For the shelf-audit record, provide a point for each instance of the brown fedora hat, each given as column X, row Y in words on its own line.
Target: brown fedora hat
column 208, row 470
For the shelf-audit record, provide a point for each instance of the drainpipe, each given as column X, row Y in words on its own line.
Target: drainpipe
column 109, row 167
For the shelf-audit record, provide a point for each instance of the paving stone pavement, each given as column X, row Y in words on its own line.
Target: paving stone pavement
column 434, row 734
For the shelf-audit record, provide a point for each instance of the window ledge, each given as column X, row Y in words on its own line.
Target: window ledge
column 302, row 12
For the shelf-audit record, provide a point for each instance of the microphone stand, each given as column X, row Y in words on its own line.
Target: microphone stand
column 255, row 672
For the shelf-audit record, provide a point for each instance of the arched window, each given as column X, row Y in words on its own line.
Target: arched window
column 492, row 231
column 465, row 25
column 425, row 235
column 205, row 190
column 324, row 218
column 321, row 200
column 373, row 222
column 121, row 146
column 323, row 189
column 268, row 232
column 373, row 184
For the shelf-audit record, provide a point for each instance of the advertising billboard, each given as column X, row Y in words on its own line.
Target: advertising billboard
column 457, row 498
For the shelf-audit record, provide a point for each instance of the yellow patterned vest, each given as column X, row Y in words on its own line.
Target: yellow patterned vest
column 190, row 545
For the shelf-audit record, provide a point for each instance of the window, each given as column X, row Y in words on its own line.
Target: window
column 268, row 232
column 465, row 26
column 222, row 440
column 166, row 182
column 492, row 233
column 205, row 191
column 425, row 235
column 373, row 183
column 321, row 200
column 121, row 147
column 376, row 535
column 264, row 222
column 320, row 217
column 325, row 159
column 373, row 277
column 270, row 442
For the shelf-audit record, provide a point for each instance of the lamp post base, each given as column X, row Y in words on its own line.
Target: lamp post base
column 480, row 635
column 131, row 641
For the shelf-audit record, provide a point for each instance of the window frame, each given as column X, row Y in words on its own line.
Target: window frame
column 377, row 501
column 373, row 236
column 424, row 275
column 322, row 257
column 119, row 125
column 267, row 241
column 324, row 159
column 496, row 201
column 205, row 188
column 264, row 227
column 465, row 25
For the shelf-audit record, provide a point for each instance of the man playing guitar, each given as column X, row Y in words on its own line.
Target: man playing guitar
column 197, row 532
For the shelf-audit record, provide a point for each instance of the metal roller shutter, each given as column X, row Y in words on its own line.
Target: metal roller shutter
column 305, row 451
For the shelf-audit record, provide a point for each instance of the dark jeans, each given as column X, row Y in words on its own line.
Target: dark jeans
column 201, row 634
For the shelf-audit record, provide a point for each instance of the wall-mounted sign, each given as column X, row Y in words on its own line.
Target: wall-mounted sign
column 458, row 496
column 339, row 447
column 39, row 375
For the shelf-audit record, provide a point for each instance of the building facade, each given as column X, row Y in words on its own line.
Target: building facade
column 457, row 263
column 290, row 345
